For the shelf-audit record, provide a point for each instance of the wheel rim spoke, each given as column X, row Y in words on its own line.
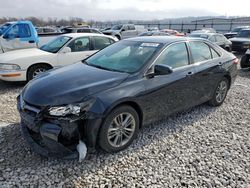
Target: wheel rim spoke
column 221, row 92
column 121, row 129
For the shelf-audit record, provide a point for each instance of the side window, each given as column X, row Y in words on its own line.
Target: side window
column 200, row 51
column 80, row 44
column 174, row 56
column 220, row 38
column 83, row 31
column 212, row 39
column 131, row 27
column 95, row 31
column 214, row 53
column 20, row 31
column 125, row 27
column 100, row 42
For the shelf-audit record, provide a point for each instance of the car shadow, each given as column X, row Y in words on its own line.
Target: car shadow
column 7, row 86
column 244, row 72
column 17, row 154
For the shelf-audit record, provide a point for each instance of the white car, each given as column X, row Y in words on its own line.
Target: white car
column 25, row 64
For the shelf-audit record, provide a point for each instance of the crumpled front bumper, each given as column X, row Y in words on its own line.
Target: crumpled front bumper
column 49, row 147
column 55, row 138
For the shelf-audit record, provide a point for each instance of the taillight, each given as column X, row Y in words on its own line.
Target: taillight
column 235, row 61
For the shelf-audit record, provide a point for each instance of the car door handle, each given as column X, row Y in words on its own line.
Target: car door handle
column 190, row 73
column 31, row 41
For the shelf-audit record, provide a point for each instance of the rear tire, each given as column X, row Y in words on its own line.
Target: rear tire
column 36, row 70
column 119, row 129
column 220, row 93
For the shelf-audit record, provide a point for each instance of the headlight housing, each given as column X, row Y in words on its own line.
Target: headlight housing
column 71, row 109
column 4, row 66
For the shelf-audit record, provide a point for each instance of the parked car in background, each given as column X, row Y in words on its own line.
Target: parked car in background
column 17, row 35
column 172, row 32
column 80, row 30
column 47, row 30
column 154, row 33
column 216, row 38
column 241, row 42
column 25, row 64
column 123, row 31
column 153, row 29
column 235, row 31
column 106, row 99
column 204, row 30
column 245, row 60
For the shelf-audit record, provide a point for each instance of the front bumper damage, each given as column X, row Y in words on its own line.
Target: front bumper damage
column 56, row 137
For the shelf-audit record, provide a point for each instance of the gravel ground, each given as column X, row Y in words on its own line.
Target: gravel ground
column 203, row 147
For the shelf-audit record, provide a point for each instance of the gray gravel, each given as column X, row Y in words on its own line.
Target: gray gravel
column 203, row 147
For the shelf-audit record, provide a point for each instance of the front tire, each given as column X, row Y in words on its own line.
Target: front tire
column 119, row 129
column 220, row 93
column 36, row 70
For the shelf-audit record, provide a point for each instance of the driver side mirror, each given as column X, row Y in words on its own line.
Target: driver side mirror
column 66, row 50
column 162, row 70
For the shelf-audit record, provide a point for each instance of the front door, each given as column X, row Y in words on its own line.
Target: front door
column 167, row 94
column 80, row 49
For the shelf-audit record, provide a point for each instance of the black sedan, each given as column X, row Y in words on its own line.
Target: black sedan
column 106, row 99
column 241, row 42
column 216, row 38
column 235, row 31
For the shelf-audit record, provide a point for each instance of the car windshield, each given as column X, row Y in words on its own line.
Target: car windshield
column 244, row 33
column 55, row 45
column 4, row 27
column 204, row 36
column 124, row 56
column 116, row 27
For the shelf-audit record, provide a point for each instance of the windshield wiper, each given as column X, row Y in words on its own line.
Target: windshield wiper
column 101, row 67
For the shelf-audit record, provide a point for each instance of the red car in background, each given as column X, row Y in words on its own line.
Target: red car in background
column 172, row 32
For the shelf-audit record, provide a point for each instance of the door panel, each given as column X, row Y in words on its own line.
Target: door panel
column 168, row 94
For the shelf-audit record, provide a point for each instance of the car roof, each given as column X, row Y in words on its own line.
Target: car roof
column 163, row 39
column 76, row 35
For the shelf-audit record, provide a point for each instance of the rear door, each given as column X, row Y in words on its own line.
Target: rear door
column 208, row 64
column 171, row 93
column 100, row 42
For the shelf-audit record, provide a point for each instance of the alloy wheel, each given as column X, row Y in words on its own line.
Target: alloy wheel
column 221, row 91
column 121, row 129
column 38, row 71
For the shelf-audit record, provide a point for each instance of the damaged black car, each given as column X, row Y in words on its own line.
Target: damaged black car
column 105, row 99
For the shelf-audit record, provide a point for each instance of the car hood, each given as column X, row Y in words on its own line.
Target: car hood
column 239, row 39
column 70, row 84
column 19, row 54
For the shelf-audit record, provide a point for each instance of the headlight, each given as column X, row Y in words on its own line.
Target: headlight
column 71, row 109
column 9, row 66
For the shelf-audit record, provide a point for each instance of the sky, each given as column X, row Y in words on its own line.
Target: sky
column 104, row 10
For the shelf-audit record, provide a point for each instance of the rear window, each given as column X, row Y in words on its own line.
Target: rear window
column 200, row 51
